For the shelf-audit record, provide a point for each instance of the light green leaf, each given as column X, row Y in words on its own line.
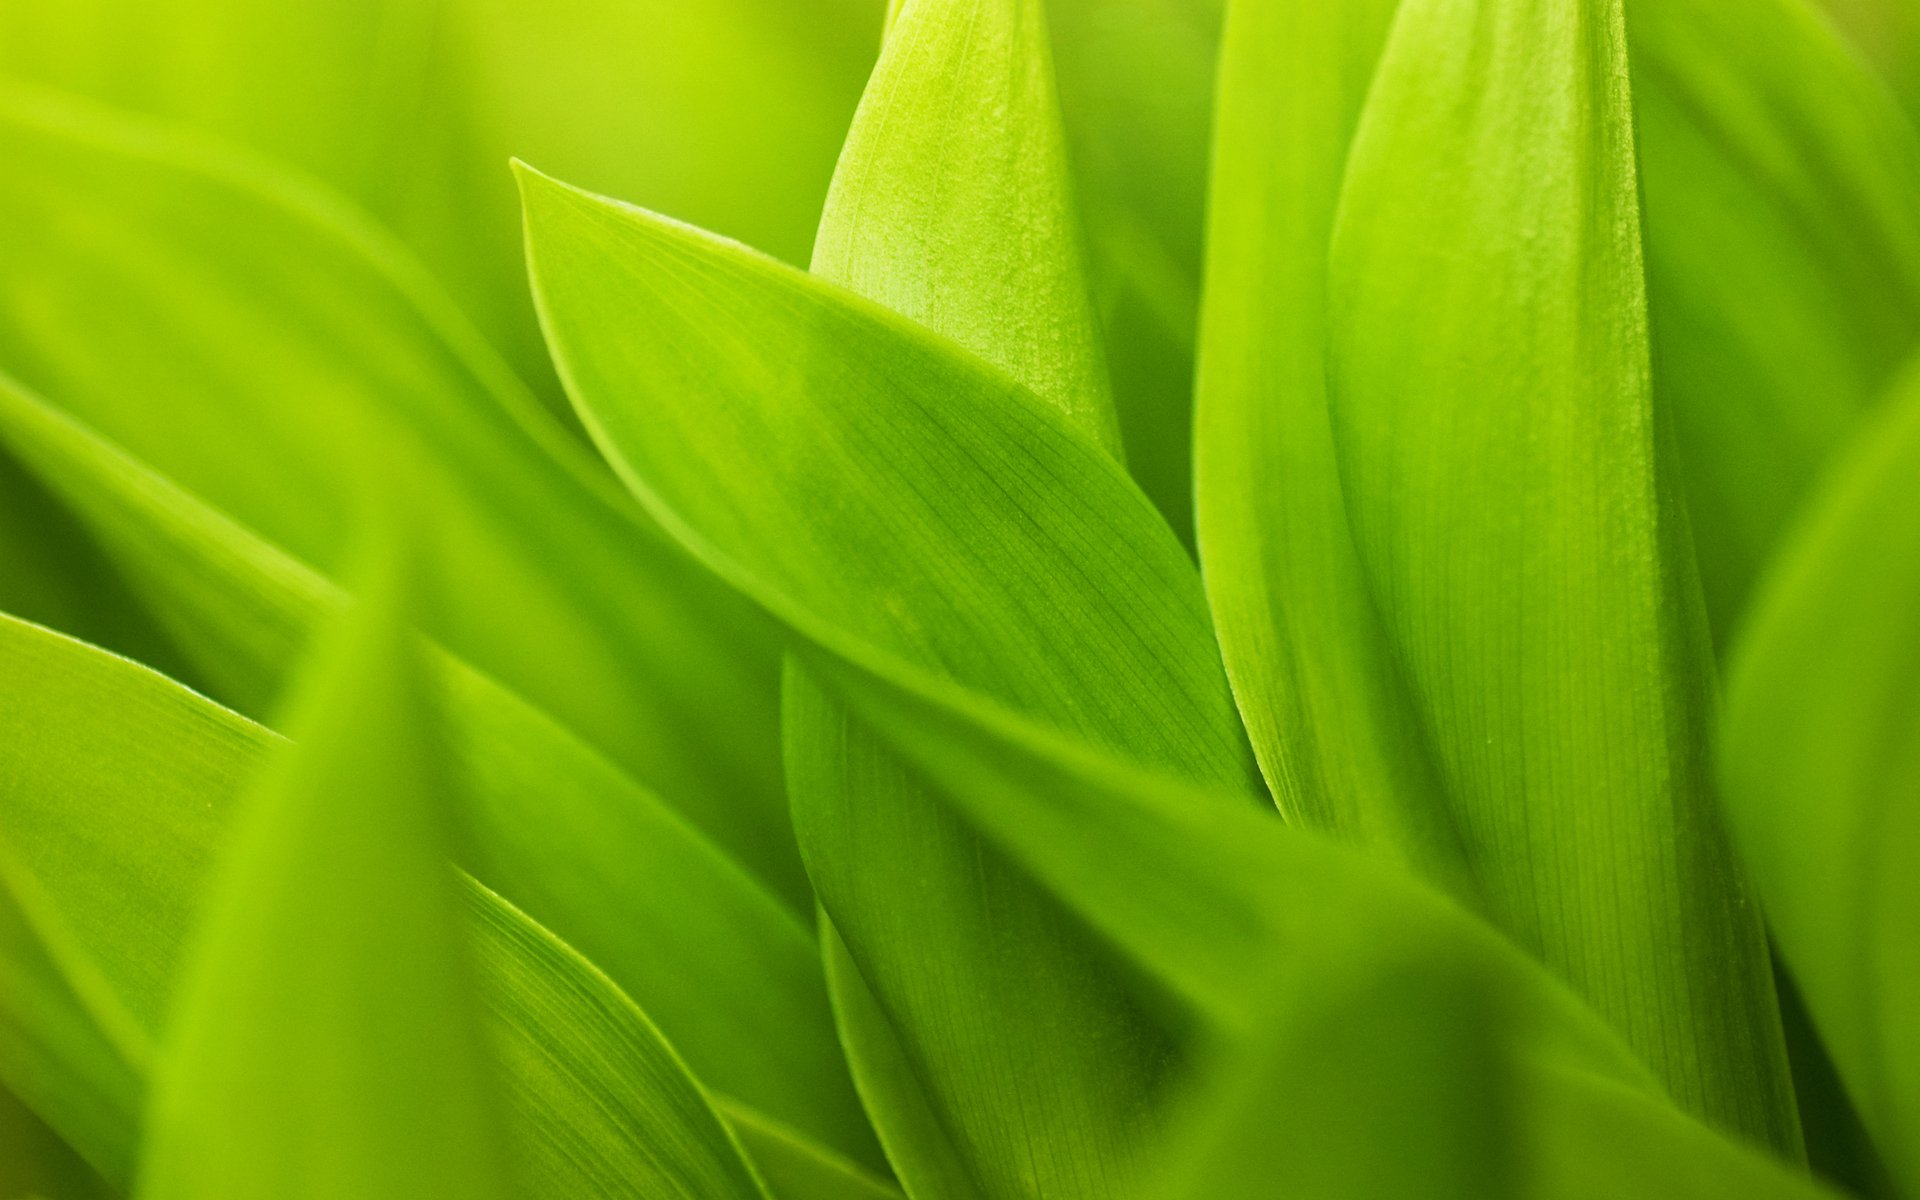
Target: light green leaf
column 730, row 973
column 952, row 205
column 1516, row 509
column 1324, row 701
column 886, row 494
column 835, row 452
column 254, row 341
column 119, row 789
column 1822, row 763
column 1783, row 259
column 327, row 1041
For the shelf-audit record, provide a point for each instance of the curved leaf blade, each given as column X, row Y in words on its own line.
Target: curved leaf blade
column 1515, row 506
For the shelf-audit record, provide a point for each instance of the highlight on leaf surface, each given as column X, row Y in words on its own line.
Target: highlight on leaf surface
column 852, row 751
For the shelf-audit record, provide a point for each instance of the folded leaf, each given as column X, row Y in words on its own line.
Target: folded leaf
column 1822, row 764
column 1515, row 506
column 34, row 1162
column 260, row 345
column 730, row 973
column 797, row 1169
column 120, row 789
column 327, row 1038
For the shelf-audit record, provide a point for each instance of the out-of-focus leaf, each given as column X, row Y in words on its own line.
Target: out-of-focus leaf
column 34, row 1161
column 887, row 493
column 1381, row 1080
column 1324, row 701
column 729, row 972
column 253, row 341
column 1821, row 759
column 1222, row 907
column 1782, row 257
column 1515, row 504
column 119, row 789
column 412, row 107
column 326, row 1040
column 952, row 205
column 1887, row 32
column 54, row 1057
column 1136, row 86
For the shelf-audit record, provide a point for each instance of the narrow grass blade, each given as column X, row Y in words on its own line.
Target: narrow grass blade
column 260, row 345
column 1515, row 504
column 1822, row 762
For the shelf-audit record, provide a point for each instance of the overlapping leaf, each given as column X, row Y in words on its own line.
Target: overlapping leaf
column 254, row 342
column 1783, row 258
column 729, row 972
column 120, row 789
column 1822, row 764
column 1518, row 521
column 327, row 1038
column 951, row 206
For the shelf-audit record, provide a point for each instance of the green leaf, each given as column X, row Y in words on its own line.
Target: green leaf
column 1821, row 758
column 257, row 343
column 797, row 1169
column 1324, row 700
column 34, row 1161
column 889, row 496
column 329, row 943
column 1515, row 506
column 120, row 787
column 1381, row 1080
column 952, row 204
column 1225, row 909
column 730, row 973
column 1783, row 259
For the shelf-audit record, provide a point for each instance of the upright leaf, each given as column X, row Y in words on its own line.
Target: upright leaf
column 1324, row 700
column 327, row 1041
column 951, row 206
column 1822, row 764
column 1514, row 503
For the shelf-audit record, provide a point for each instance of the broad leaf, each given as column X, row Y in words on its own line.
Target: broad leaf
column 887, row 494
column 120, row 790
column 1516, row 510
column 330, row 942
column 1822, row 765
column 264, row 348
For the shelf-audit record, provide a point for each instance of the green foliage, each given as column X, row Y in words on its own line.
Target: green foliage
column 1181, row 657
